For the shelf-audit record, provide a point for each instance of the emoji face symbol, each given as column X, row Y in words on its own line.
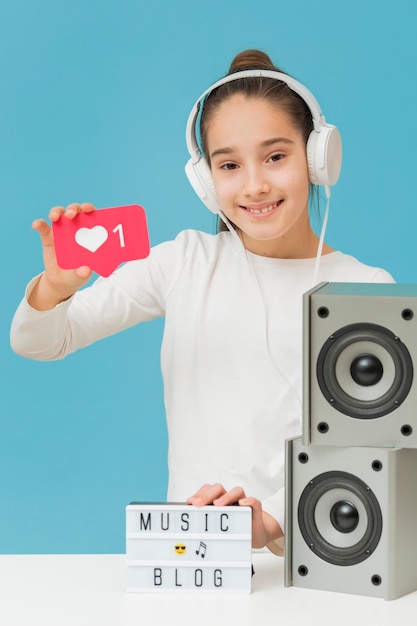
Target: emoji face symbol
column 180, row 548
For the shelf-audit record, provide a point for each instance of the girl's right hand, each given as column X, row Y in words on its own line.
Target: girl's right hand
column 56, row 284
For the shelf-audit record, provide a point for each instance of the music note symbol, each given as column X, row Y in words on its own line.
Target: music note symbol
column 201, row 550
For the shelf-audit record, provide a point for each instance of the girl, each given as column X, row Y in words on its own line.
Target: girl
column 232, row 347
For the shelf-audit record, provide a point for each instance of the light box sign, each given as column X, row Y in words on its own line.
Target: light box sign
column 179, row 547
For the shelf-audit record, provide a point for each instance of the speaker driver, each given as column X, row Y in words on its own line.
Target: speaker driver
column 364, row 371
column 340, row 518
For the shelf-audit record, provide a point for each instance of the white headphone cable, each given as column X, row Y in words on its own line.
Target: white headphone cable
column 322, row 234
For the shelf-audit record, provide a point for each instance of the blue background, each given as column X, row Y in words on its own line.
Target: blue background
column 94, row 101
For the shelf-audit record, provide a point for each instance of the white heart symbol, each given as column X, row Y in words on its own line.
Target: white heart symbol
column 91, row 238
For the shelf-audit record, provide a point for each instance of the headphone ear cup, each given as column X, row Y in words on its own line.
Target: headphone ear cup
column 201, row 180
column 324, row 155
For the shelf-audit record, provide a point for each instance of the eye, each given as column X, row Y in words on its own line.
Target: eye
column 276, row 157
column 228, row 166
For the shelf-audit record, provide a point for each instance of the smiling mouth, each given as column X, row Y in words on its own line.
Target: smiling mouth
column 262, row 210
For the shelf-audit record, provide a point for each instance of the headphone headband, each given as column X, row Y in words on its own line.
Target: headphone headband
column 303, row 92
column 324, row 146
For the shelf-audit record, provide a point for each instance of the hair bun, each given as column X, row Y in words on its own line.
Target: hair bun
column 250, row 60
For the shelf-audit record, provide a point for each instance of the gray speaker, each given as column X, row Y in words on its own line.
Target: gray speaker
column 359, row 356
column 351, row 519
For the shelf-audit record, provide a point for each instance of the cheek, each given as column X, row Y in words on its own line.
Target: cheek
column 299, row 181
column 224, row 188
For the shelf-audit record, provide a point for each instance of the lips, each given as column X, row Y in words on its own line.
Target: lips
column 263, row 209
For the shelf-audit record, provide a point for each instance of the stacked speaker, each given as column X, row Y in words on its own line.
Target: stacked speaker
column 351, row 479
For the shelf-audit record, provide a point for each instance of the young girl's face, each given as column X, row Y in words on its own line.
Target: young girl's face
column 259, row 168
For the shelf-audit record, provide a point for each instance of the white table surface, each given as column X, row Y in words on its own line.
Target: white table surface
column 64, row 590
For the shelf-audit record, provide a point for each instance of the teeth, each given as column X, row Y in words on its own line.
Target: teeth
column 265, row 210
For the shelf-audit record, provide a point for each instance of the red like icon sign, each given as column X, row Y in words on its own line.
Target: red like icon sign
column 101, row 239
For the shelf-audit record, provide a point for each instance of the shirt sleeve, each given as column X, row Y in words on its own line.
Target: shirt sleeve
column 382, row 276
column 137, row 292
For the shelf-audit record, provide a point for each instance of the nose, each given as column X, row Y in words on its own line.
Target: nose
column 255, row 182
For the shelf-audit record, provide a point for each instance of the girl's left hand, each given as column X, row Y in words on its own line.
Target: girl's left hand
column 265, row 528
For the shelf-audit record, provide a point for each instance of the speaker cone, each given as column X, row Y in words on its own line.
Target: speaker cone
column 364, row 371
column 340, row 518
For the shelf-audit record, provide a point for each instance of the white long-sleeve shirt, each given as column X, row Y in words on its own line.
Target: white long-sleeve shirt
column 231, row 352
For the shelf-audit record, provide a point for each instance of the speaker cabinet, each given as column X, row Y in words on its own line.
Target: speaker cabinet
column 359, row 354
column 351, row 519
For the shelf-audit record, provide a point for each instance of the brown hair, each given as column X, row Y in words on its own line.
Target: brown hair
column 275, row 91
column 270, row 89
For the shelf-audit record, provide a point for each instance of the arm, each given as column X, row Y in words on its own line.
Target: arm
column 135, row 293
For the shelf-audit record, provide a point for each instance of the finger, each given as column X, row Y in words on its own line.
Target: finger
column 255, row 505
column 73, row 209
column 207, row 494
column 55, row 213
column 197, row 495
column 47, row 239
column 259, row 533
column 41, row 227
column 84, row 271
column 199, row 491
column 230, row 497
column 87, row 207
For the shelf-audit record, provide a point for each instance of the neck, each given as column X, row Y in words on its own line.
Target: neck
column 287, row 246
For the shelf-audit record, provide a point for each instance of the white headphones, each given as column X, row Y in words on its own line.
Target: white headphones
column 324, row 145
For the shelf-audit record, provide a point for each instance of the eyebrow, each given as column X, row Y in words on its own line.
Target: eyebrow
column 264, row 144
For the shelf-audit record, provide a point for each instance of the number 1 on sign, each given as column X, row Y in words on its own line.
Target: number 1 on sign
column 119, row 229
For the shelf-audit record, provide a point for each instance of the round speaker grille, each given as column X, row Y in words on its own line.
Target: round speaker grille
column 338, row 545
column 364, row 371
